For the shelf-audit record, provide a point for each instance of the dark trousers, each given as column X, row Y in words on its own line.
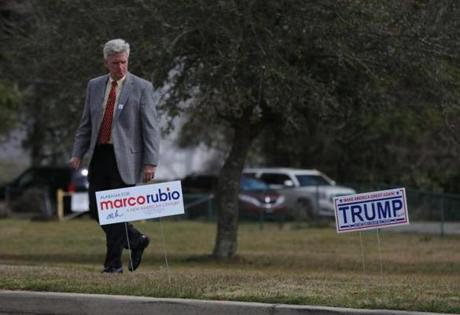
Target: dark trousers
column 104, row 175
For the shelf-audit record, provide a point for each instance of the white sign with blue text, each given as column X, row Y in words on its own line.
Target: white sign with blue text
column 140, row 202
column 372, row 210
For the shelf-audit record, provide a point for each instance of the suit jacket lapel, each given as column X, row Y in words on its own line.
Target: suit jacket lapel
column 99, row 98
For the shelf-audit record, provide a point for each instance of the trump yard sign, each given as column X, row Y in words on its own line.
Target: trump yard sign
column 371, row 210
column 140, row 202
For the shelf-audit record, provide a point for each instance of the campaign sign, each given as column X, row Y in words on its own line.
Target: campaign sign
column 371, row 210
column 140, row 202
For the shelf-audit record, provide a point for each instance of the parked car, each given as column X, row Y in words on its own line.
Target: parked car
column 256, row 199
column 308, row 193
column 34, row 191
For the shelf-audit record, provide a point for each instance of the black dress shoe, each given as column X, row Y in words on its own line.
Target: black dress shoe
column 112, row 270
column 136, row 254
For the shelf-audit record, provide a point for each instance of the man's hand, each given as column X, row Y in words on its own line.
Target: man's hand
column 75, row 163
column 149, row 172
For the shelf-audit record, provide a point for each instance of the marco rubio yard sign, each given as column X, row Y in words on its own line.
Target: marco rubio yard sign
column 371, row 210
column 140, row 202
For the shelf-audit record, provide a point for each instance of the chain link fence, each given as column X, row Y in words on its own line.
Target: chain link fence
column 429, row 212
column 425, row 206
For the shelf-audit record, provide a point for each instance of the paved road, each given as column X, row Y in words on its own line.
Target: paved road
column 22, row 302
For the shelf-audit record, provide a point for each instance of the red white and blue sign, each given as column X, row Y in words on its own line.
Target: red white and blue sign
column 140, row 202
column 372, row 210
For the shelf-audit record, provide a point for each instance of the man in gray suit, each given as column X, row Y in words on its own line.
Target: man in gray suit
column 119, row 130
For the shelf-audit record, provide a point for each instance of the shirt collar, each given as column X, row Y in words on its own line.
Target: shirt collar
column 119, row 82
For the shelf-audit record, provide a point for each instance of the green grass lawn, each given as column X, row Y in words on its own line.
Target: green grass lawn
column 295, row 265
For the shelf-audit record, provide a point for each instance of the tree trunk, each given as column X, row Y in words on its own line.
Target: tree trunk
column 227, row 193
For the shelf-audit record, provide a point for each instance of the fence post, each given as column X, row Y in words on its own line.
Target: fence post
column 442, row 215
column 316, row 212
column 210, row 208
column 60, row 204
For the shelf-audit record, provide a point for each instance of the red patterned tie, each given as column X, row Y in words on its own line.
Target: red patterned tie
column 106, row 126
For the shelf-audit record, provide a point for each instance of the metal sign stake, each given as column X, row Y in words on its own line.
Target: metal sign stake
column 129, row 247
column 380, row 254
column 363, row 259
column 164, row 252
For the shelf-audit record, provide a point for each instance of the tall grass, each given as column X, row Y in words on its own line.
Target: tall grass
column 298, row 265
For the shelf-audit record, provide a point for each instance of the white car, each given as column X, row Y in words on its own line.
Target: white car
column 308, row 193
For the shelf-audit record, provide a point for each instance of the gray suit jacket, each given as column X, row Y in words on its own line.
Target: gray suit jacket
column 135, row 127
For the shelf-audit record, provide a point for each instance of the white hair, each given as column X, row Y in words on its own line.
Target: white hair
column 115, row 46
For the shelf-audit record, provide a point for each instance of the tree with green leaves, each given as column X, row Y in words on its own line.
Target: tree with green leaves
column 292, row 67
column 420, row 86
column 9, row 99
